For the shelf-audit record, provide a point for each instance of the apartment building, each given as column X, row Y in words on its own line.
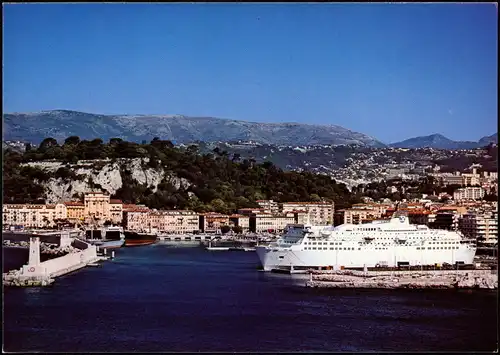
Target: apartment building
column 468, row 193
column 269, row 206
column 271, row 222
column 32, row 215
column 75, row 211
column 96, row 207
column 136, row 218
column 446, row 218
column 249, row 211
column 360, row 213
column 174, row 221
column 212, row 222
column 318, row 213
column 115, row 214
column 419, row 216
column 240, row 221
column 452, row 179
column 481, row 225
column 99, row 208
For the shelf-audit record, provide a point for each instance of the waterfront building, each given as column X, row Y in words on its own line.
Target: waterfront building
column 240, row 221
column 480, row 225
column 174, row 221
column 301, row 217
column 75, row 211
column 318, row 213
column 115, row 211
column 212, row 222
column 96, row 207
column 270, row 222
column 99, row 208
column 32, row 215
column 136, row 218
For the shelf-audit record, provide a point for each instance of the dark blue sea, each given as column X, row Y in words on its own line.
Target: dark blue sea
column 166, row 298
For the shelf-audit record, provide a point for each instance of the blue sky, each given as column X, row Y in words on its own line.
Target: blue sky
column 392, row 71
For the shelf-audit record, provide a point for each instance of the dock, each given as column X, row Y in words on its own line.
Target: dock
column 37, row 273
column 184, row 238
column 424, row 279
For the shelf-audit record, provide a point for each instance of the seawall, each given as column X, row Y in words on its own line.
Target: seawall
column 37, row 273
column 484, row 279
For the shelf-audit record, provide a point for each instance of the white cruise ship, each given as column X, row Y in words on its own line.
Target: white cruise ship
column 393, row 242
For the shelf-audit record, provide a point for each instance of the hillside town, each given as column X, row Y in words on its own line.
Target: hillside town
column 98, row 209
column 465, row 211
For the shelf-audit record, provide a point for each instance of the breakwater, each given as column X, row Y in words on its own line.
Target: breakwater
column 444, row 279
column 49, row 249
column 37, row 273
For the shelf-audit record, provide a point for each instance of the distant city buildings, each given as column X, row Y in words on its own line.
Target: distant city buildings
column 468, row 193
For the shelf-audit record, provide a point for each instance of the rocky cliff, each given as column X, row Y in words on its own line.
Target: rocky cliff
column 105, row 174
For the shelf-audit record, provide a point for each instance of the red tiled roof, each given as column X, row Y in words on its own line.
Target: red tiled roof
column 115, row 201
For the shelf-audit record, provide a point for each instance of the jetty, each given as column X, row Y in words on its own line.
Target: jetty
column 424, row 279
column 37, row 273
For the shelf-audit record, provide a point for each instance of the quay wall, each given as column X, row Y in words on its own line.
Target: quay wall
column 487, row 279
column 479, row 273
column 61, row 265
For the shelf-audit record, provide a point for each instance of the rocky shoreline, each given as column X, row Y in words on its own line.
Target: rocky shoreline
column 461, row 279
column 51, row 250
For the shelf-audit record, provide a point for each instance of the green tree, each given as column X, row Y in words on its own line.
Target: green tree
column 73, row 140
column 219, row 205
column 315, row 198
column 237, row 229
column 47, row 143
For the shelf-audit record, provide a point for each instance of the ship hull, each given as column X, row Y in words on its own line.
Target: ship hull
column 276, row 258
column 135, row 239
column 112, row 244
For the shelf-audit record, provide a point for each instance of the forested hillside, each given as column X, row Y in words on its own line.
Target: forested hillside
column 217, row 181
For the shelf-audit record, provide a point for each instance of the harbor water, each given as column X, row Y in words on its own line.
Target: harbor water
column 175, row 298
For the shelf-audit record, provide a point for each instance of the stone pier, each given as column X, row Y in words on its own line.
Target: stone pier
column 485, row 279
column 37, row 273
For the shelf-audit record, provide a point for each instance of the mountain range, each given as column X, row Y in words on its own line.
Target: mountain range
column 60, row 124
column 439, row 141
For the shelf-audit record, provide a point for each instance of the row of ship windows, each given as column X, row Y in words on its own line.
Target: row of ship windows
column 324, row 243
column 331, row 248
column 331, row 243
column 334, row 248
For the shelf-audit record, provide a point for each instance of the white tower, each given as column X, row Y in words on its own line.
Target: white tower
column 34, row 258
